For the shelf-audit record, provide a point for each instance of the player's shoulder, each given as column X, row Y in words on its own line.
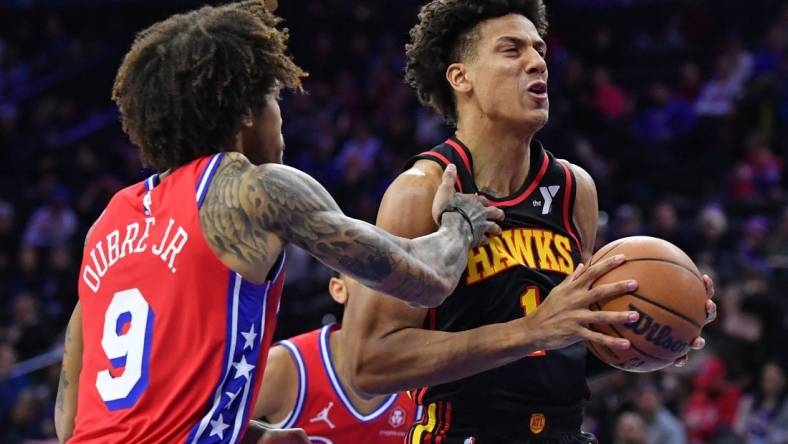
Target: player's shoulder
column 419, row 182
column 583, row 178
column 279, row 354
column 406, row 208
column 422, row 173
column 303, row 340
column 130, row 195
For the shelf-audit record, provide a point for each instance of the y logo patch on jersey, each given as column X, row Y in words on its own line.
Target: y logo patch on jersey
column 548, row 193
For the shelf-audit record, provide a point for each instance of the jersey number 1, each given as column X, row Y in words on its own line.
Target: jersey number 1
column 529, row 301
column 128, row 328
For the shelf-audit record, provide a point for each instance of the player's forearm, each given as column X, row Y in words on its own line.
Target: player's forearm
column 435, row 263
column 428, row 357
column 421, row 271
column 293, row 205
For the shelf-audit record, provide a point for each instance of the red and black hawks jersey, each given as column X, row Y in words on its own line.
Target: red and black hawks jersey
column 508, row 279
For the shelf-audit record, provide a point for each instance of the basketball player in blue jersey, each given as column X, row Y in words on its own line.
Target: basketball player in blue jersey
column 503, row 358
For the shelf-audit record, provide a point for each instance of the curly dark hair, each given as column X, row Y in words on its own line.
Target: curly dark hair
column 189, row 81
column 446, row 33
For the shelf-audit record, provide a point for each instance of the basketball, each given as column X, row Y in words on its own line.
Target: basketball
column 670, row 298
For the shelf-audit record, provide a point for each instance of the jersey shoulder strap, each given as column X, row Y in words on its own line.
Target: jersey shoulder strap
column 451, row 151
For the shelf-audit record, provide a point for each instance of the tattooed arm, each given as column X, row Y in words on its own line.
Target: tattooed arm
column 253, row 204
column 66, row 404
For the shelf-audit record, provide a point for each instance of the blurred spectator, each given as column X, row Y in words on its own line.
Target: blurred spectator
column 610, row 396
column 741, row 60
column 752, row 247
column 609, row 99
column 628, row 221
column 52, row 224
column 711, row 407
column 762, row 417
column 661, row 425
column 719, row 94
column 690, row 82
column 665, row 225
column 712, row 244
column 778, row 251
column 759, row 175
column 768, row 58
column 29, row 331
column 630, row 429
column 8, row 242
column 665, row 117
column 10, row 386
column 361, row 152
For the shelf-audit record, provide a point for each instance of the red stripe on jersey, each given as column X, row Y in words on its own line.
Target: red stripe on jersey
column 567, row 197
column 529, row 190
column 445, row 161
column 420, row 399
column 462, row 154
column 432, row 320
column 445, row 424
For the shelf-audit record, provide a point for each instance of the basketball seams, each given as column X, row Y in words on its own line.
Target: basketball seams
column 667, row 261
column 608, row 252
column 646, row 259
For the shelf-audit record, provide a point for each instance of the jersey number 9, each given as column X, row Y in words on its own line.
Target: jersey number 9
column 128, row 328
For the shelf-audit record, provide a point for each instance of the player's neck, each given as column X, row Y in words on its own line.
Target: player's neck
column 501, row 158
column 363, row 406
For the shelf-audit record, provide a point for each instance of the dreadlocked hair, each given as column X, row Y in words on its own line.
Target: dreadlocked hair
column 447, row 33
column 188, row 82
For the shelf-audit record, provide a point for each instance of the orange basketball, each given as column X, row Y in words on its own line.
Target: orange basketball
column 670, row 298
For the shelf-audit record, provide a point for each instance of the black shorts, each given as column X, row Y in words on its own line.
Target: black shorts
column 441, row 424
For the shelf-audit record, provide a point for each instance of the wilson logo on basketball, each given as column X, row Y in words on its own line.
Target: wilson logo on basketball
column 654, row 332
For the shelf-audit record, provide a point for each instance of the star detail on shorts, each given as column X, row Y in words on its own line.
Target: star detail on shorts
column 249, row 338
column 218, row 426
column 232, row 397
column 243, row 368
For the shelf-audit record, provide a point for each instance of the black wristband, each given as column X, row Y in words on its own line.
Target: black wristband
column 462, row 213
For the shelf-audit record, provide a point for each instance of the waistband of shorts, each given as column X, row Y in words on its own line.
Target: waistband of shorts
column 524, row 423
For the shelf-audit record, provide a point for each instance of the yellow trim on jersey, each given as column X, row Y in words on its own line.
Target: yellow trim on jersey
column 432, row 419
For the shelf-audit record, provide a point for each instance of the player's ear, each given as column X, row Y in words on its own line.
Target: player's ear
column 457, row 76
column 338, row 290
column 248, row 119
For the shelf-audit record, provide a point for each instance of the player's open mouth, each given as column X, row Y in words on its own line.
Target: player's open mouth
column 538, row 89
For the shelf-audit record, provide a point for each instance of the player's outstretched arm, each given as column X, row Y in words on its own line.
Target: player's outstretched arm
column 297, row 209
column 66, row 403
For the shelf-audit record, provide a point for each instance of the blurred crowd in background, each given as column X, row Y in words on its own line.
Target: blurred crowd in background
column 677, row 108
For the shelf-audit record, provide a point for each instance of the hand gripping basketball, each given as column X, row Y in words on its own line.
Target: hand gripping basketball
column 476, row 210
column 563, row 318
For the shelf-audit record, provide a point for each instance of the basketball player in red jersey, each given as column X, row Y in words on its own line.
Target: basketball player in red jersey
column 305, row 386
column 493, row 367
column 182, row 274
